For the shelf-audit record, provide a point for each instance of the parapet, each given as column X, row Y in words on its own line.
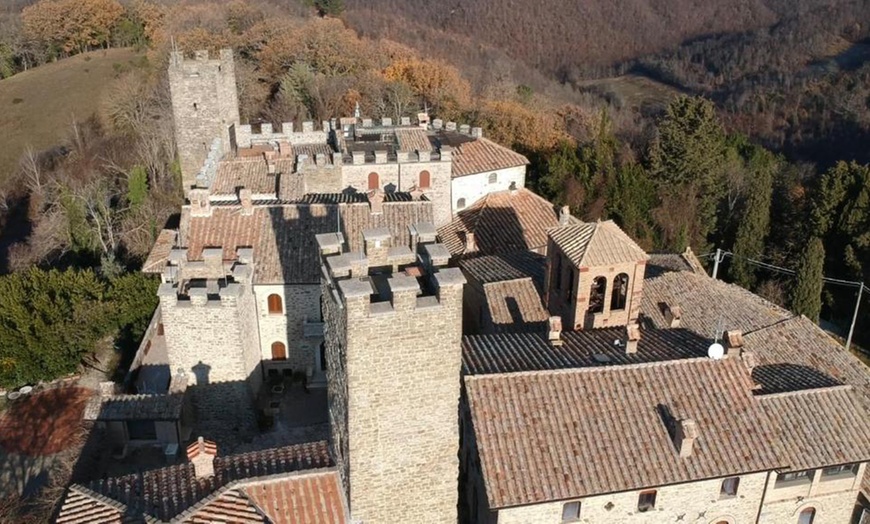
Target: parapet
column 178, row 59
column 245, row 136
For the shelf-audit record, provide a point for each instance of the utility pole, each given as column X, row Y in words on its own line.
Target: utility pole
column 854, row 316
column 716, row 263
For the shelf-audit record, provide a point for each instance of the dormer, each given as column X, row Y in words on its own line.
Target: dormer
column 594, row 275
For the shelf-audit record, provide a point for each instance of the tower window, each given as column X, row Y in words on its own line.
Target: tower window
column 596, row 295
column 493, row 178
column 374, row 181
column 425, row 179
column 195, row 106
column 729, row 487
column 276, row 305
column 646, row 501
column 279, row 351
column 460, row 204
column 571, row 512
column 807, row 516
column 323, row 356
column 620, row 292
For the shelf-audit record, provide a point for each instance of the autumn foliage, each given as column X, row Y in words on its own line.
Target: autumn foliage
column 72, row 25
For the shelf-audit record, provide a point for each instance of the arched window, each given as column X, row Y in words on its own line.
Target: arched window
column 807, row 516
column 425, row 180
column 619, row 293
column 276, row 306
column 374, row 181
column 596, row 295
column 460, row 204
column 323, row 356
column 493, row 178
column 279, row 351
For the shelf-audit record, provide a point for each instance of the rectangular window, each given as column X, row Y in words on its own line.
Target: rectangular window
column 729, row 487
column 646, row 501
column 793, row 477
column 845, row 469
column 571, row 512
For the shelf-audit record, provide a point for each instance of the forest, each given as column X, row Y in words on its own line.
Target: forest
column 758, row 146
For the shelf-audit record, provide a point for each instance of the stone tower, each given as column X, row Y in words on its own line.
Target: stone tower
column 205, row 104
column 394, row 328
column 594, row 275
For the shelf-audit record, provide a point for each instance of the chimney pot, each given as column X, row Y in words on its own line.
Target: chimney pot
column 555, row 330
column 733, row 342
column 201, row 454
column 376, row 201
column 673, row 316
column 470, row 242
column 564, row 215
column 246, row 197
column 632, row 337
column 200, row 205
column 687, row 432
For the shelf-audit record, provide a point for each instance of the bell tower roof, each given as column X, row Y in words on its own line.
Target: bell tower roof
column 596, row 244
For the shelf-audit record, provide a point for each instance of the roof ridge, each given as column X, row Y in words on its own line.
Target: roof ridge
column 595, row 228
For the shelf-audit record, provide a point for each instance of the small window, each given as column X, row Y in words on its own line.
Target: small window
column 569, row 284
column 846, row 469
column 619, row 295
column 460, row 204
column 793, row 476
column 276, row 306
column 597, row 292
column 556, row 276
column 425, row 180
column 729, row 487
column 571, row 512
column 279, row 351
column 374, row 181
column 807, row 516
column 646, row 501
column 323, row 356
column 493, row 178
column 194, row 106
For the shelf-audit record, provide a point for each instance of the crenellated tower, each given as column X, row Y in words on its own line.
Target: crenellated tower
column 394, row 328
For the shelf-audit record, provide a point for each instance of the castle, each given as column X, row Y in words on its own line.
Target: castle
column 486, row 357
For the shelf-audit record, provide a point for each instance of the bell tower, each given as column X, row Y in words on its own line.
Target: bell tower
column 594, row 275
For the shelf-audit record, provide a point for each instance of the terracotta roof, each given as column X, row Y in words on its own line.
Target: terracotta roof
column 531, row 351
column 558, row 435
column 413, row 140
column 314, row 149
column 515, row 305
column 165, row 493
column 316, row 498
column 396, row 216
column 250, row 173
column 233, row 505
column 83, row 506
column 159, row 254
column 286, row 251
column 595, row 244
column 482, row 155
column 502, row 222
column 134, row 407
column 486, row 269
column 661, row 263
column 705, row 302
column 820, row 427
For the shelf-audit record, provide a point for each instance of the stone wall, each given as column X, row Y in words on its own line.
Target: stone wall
column 692, row 503
column 308, row 133
column 300, row 303
column 474, row 187
column 204, row 105
column 400, row 401
column 335, row 336
column 833, row 498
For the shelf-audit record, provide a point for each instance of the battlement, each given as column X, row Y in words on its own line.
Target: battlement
column 386, row 279
column 211, row 267
column 201, row 293
column 178, row 59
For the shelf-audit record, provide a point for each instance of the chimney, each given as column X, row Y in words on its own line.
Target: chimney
column 673, row 316
column 684, row 437
column 564, row 215
column 555, row 330
column 423, row 120
column 200, row 205
column 477, row 132
column 201, row 454
column 632, row 337
column 733, row 342
column 246, row 198
column 470, row 242
column 376, row 201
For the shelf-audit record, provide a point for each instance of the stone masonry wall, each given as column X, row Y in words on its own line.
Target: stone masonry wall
column 403, row 369
column 300, row 302
column 204, row 105
column 691, row 503
column 335, row 336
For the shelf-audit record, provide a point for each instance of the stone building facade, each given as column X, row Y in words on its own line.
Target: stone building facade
column 205, row 105
column 393, row 371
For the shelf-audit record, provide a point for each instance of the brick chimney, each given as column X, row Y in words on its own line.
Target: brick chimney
column 632, row 337
column 200, row 205
column 554, row 335
column 673, row 316
column 246, row 198
column 684, row 437
column 201, row 454
column 733, row 342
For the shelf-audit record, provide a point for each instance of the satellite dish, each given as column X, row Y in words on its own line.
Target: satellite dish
column 716, row 351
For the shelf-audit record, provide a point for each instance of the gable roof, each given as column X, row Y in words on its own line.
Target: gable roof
column 555, row 435
column 481, row 155
column 159, row 254
column 165, row 493
column 502, row 222
column 595, row 244
column 83, row 506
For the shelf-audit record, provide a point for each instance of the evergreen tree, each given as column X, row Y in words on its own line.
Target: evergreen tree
column 806, row 297
column 755, row 224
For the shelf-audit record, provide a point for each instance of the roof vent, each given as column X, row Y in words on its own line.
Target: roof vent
column 733, row 342
column 632, row 337
column 201, row 454
column 555, row 330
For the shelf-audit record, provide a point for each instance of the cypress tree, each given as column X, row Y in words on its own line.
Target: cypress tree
column 755, row 224
column 806, row 297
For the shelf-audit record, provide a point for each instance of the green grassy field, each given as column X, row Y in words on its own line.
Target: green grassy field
column 38, row 106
